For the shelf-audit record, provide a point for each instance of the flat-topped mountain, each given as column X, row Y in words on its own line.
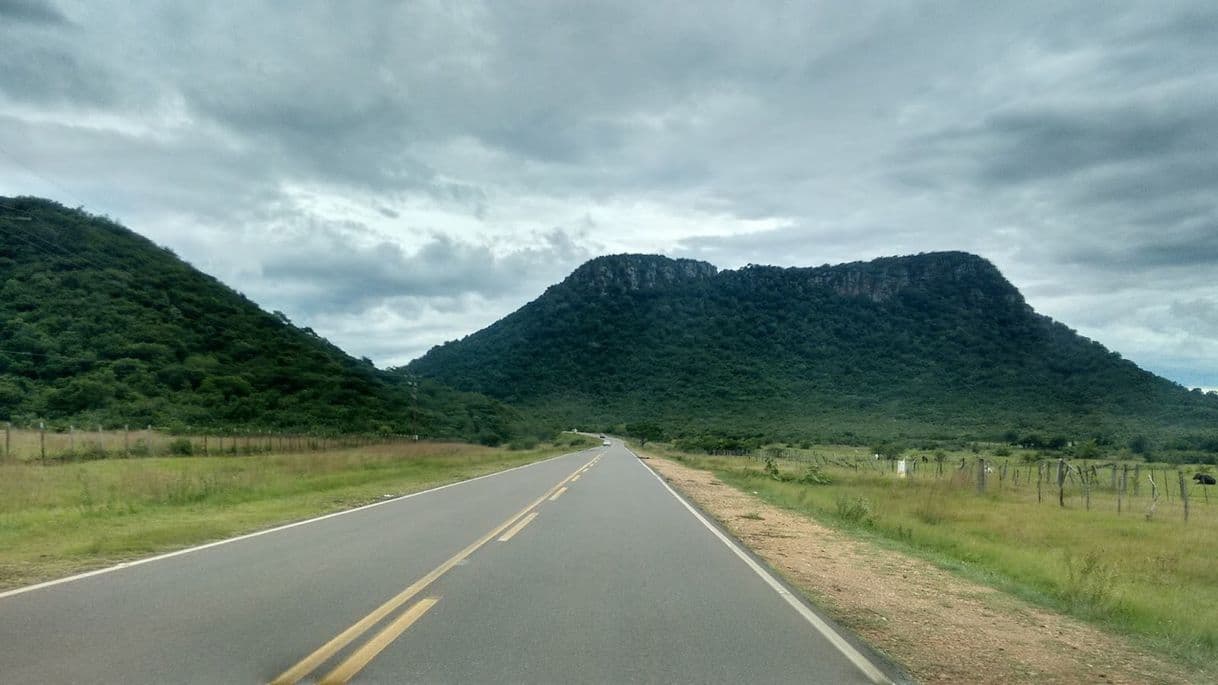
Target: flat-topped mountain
column 99, row 325
column 937, row 344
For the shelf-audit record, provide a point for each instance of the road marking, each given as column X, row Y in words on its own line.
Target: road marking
column 268, row 531
column 516, row 528
column 558, row 494
column 362, row 656
column 328, row 650
column 853, row 655
column 575, row 478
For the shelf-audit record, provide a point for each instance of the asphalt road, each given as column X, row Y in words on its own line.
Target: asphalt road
column 583, row 568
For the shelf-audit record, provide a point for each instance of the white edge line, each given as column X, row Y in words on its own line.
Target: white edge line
column 276, row 529
column 861, row 662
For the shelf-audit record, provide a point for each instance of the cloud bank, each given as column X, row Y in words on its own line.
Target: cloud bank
column 398, row 175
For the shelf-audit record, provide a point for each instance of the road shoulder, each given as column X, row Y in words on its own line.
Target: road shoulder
column 941, row 628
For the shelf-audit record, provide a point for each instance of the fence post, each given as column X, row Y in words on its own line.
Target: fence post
column 126, row 440
column 1124, row 485
column 1061, row 483
column 72, row 439
column 1183, row 494
column 1040, row 478
column 1137, row 473
column 8, row 428
column 980, row 476
column 1082, row 475
column 1120, row 491
column 42, row 441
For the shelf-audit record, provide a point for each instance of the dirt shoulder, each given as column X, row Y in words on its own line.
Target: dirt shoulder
column 939, row 627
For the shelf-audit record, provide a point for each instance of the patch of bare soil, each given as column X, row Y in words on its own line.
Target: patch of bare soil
column 941, row 628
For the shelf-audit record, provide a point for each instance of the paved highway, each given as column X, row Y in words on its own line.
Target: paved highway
column 583, row 568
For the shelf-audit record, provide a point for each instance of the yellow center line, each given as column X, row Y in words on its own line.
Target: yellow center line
column 360, row 658
column 323, row 653
column 557, row 494
column 516, row 528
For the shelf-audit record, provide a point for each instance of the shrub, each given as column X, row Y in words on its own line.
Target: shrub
column 181, row 447
column 771, row 468
column 855, row 510
column 1089, row 581
column 815, row 476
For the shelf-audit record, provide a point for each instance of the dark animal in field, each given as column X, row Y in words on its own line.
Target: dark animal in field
column 1204, row 478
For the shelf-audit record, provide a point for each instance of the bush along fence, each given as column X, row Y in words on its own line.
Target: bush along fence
column 39, row 442
column 1129, row 488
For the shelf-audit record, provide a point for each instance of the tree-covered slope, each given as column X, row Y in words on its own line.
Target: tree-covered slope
column 930, row 345
column 99, row 325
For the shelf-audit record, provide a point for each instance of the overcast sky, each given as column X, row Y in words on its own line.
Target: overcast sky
column 395, row 175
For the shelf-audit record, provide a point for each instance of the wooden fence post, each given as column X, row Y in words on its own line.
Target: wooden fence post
column 1183, row 494
column 42, row 441
column 72, row 439
column 980, row 476
column 1040, row 477
column 1137, row 474
column 127, row 440
column 1119, row 492
column 1082, row 476
column 8, row 428
column 1124, row 485
column 1061, row 482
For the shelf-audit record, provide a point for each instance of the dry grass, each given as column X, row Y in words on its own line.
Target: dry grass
column 64, row 517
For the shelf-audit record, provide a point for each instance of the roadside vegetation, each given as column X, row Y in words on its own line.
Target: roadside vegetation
column 69, row 516
column 1144, row 572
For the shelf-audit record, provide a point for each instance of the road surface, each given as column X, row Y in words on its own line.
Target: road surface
column 582, row 568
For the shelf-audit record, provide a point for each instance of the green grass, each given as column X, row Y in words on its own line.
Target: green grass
column 1155, row 580
column 68, row 517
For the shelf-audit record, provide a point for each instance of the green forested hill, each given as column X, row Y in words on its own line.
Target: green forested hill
column 933, row 345
column 99, row 325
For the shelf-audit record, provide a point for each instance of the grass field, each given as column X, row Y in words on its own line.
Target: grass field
column 1155, row 579
column 65, row 517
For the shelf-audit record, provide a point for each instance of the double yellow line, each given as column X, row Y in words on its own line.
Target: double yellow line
column 362, row 656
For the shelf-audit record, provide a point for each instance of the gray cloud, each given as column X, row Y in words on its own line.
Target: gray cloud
column 331, row 268
column 33, row 11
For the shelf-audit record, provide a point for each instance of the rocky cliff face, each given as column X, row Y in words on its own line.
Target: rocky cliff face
column 881, row 279
column 636, row 272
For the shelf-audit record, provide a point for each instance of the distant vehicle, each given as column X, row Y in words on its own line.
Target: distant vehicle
column 606, row 443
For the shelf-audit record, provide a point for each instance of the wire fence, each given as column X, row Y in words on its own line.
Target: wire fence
column 42, row 444
column 1135, row 488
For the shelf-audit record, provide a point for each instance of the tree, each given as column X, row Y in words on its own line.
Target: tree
column 888, row 450
column 1140, row 445
column 645, row 431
